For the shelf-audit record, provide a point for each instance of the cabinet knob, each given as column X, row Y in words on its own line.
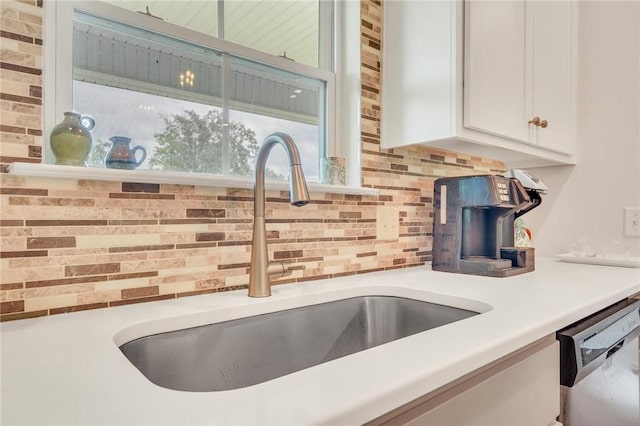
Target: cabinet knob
column 537, row 122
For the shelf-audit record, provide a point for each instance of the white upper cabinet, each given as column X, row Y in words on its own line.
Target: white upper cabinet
column 494, row 79
column 417, row 87
column 553, row 80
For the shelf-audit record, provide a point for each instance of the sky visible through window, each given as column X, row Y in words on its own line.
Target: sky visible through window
column 139, row 116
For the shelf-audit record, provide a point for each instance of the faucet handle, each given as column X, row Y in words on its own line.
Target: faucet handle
column 278, row 269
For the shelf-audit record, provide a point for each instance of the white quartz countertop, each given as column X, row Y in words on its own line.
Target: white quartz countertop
column 67, row 369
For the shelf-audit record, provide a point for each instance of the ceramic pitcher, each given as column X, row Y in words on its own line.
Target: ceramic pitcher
column 71, row 140
column 122, row 156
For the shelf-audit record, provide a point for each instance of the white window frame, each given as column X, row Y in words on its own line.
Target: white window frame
column 58, row 63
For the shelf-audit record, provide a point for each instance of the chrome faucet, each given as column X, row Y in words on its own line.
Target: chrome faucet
column 261, row 269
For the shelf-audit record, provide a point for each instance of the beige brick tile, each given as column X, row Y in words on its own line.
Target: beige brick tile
column 11, row 295
column 34, row 18
column 181, row 277
column 118, row 285
column 103, row 201
column 178, row 189
column 180, row 287
column 59, row 231
column 14, row 150
column 15, row 232
column 26, row 6
column 50, row 302
column 88, row 213
column 128, row 229
column 13, row 244
column 50, row 201
column 65, row 252
column 143, row 213
column 174, row 264
column 70, row 190
column 19, row 27
column 208, row 191
column 7, row 11
column 17, row 58
column 40, row 262
column 26, row 109
column 118, row 257
column 170, row 254
column 43, row 182
column 197, row 227
column 195, row 261
column 58, row 290
column 97, row 186
column 116, row 240
column 177, row 238
column 20, row 212
column 99, row 297
column 334, row 269
column 236, row 213
column 8, row 77
column 13, row 88
column 236, row 280
column 34, row 50
column 204, row 271
column 210, row 283
column 22, row 120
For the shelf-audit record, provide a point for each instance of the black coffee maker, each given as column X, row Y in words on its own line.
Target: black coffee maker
column 474, row 216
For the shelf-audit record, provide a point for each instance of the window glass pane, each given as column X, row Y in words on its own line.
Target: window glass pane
column 275, row 27
column 178, row 135
column 197, row 15
column 279, row 101
column 194, row 109
column 304, row 135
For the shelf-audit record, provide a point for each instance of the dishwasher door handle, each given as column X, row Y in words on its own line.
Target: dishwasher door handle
column 615, row 349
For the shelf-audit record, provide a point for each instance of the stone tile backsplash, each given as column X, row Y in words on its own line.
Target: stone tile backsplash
column 74, row 244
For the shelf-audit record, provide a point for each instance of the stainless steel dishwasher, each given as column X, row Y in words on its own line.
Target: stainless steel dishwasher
column 599, row 368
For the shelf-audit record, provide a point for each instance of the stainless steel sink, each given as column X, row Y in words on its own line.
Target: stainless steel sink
column 247, row 351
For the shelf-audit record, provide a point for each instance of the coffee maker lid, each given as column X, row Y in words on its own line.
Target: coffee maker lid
column 529, row 181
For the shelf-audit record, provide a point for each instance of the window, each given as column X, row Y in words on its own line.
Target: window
column 196, row 102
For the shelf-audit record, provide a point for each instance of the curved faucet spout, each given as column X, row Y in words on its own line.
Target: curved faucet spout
column 259, row 283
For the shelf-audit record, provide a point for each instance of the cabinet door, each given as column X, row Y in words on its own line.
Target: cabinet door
column 417, row 78
column 525, row 394
column 523, row 388
column 495, row 69
column 553, row 91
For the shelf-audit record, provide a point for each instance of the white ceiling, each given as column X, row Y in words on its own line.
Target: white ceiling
column 271, row 26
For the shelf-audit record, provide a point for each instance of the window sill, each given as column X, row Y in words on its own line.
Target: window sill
column 174, row 178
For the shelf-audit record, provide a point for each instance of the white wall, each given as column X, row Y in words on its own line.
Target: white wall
column 587, row 200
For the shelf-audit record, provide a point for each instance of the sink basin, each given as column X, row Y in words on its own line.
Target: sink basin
column 247, row 351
